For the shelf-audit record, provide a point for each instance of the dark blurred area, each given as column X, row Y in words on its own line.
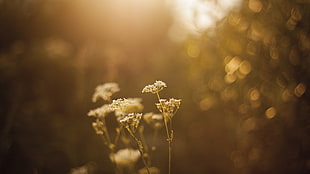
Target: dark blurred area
column 243, row 84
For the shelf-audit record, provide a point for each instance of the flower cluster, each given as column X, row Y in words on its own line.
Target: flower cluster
column 128, row 115
column 168, row 107
column 100, row 112
column 127, row 105
column 131, row 121
column 125, row 157
column 105, row 91
column 154, row 88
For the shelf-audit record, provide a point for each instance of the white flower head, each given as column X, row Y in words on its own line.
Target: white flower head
column 105, row 91
column 133, row 105
column 154, row 88
column 131, row 121
column 168, row 107
column 79, row 170
column 125, row 157
column 100, row 112
column 127, row 105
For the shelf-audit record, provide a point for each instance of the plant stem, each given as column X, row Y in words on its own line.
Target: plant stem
column 153, row 146
column 169, row 151
column 118, row 133
column 140, row 148
column 169, row 139
column 158, row 96
column 147, row 151
column 169, row 135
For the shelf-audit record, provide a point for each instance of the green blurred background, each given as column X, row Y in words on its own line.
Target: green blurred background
column 240, row 69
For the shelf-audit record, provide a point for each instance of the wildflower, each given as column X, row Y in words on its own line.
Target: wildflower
column 127, row 105
column 100, row 112
column 154, row 88
column 98, row 126
column 131, row 121
column 155, row 120
column 79, row 170
column 84, row 169
column 153, row 170
column 125, row 157
column 133, row 105
column 168, row 107
column 105, row 91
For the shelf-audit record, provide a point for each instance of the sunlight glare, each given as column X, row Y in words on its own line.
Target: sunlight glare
column 195, row 16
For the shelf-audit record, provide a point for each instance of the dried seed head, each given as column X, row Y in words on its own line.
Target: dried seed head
column 154, row 88
column 125, row 157
column 133, row 105
column 127, row 105
column 170, row 107
column 105, row 91
column 100, row 112
column 131, row 121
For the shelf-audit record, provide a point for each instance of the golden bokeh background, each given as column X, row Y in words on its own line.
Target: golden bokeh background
column 241, row 68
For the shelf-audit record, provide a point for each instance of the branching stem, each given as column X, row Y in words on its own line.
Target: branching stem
column 140, row 148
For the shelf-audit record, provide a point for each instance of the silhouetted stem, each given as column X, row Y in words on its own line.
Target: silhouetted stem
column 169, row 139
column 140, row 148
column 169, row 135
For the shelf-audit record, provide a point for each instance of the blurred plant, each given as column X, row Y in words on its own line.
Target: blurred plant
column 128, row 116
column 85, row 169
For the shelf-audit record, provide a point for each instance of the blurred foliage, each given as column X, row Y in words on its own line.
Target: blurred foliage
column 244, row 83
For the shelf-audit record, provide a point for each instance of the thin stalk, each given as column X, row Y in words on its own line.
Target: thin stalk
column 140, row 148
column 166, row 127
column 111, row 146
column 153, row 142
column 157, row 94
column 170, row 144
column 169, row 135
column 106, row 133
column 169, row 139
column 169, row 151
column 143, row 139
column 149, row 162
column 118, row 133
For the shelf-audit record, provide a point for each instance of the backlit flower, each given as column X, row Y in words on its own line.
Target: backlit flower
column 154, row 88
column 131, row 121
column 100, row 112
column 125, row 157
column 168, row 107
column 105, row 91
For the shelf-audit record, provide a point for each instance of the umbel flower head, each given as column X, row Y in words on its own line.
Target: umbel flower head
column 125, row 157
column 131, row 121
column 133, row 105
column 154, row 88
column 168, row 107
column 105, row 91
column 100, row 112
column 127, row 105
